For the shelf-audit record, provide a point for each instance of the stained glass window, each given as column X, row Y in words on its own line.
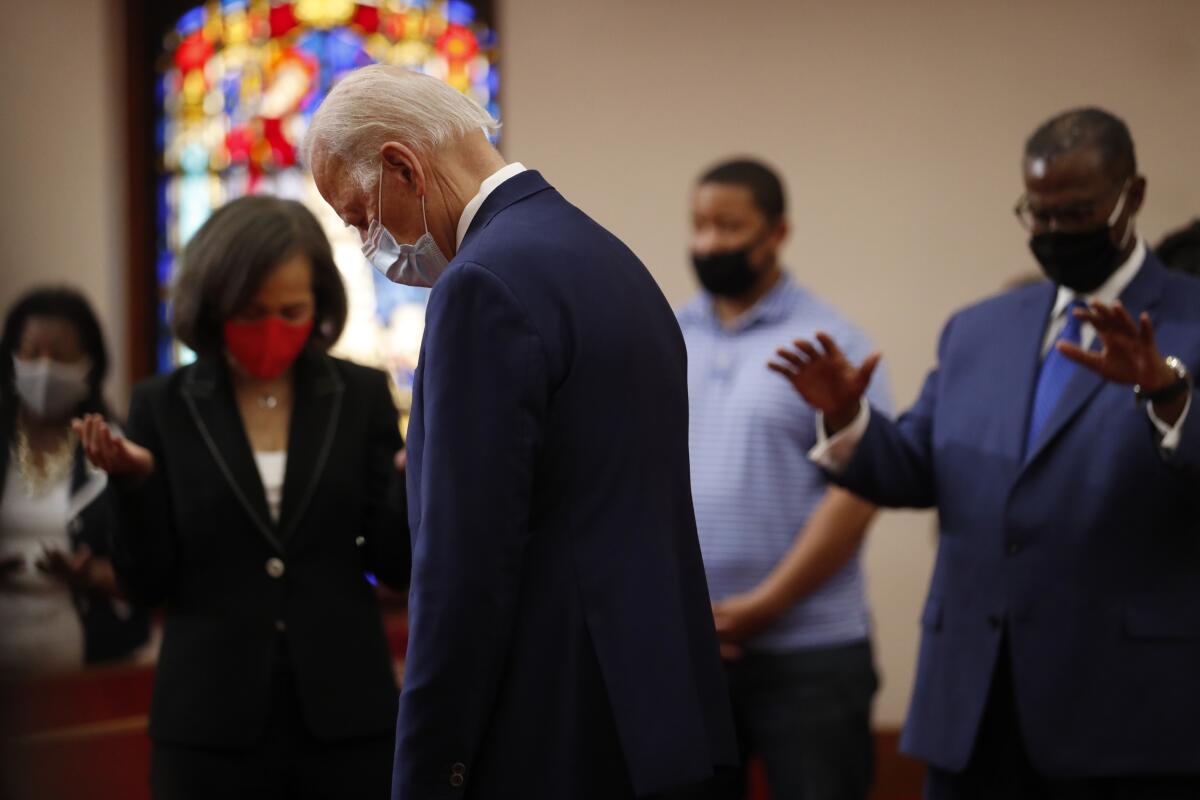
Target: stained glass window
column 240, row 80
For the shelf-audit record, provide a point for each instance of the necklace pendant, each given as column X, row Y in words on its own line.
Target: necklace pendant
column 269, row 401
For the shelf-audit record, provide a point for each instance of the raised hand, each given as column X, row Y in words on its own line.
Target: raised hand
column 112, row 452
column 1129, row 354
column 826, row 379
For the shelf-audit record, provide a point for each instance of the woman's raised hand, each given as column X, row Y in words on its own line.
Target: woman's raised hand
column 110, row 451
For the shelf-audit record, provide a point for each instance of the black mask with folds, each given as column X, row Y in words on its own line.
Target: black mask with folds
column 726, row 274
column 1079, row 261
column 729, row 274
column 1083, row 261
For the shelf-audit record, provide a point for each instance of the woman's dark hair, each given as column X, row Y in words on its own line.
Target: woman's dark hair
column 228, row 259
column 58, row 303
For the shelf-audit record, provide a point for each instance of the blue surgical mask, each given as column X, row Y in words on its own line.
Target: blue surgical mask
column 418, row 264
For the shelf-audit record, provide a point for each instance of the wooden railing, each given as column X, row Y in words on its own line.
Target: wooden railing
column 79, row 735
column 83, row 735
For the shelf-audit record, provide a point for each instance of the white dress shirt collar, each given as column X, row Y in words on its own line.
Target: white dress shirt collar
column 1111, row 290
column 489, row 185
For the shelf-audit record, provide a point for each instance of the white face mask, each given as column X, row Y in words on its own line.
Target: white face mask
column 419, row 264
column 50, row 389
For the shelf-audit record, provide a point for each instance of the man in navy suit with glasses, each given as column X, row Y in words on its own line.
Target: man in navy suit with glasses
column 1059, row 441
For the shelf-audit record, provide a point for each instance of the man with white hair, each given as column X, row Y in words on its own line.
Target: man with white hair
column 560, row 639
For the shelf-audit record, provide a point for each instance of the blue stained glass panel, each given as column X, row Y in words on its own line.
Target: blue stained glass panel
column 459, row 13
column 192, row 21
column 166, row 262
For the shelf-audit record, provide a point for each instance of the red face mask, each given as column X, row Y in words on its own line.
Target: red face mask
column 267, row 347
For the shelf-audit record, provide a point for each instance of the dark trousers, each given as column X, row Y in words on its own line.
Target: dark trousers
column 289, row 764
column 1000, row 768
column 807, row 715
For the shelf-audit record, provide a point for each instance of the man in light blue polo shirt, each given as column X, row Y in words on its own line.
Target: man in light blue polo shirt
column 780, row 547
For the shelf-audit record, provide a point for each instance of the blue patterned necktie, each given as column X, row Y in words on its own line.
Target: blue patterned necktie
column 1053, row 377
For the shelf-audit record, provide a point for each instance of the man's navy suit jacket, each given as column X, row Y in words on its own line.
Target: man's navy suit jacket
column 561, row 639
column 1085, row 550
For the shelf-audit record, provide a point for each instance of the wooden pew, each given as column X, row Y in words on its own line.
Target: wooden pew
column 83, row 735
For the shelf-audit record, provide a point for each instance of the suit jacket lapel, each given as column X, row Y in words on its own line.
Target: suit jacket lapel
column 1083, row 385
column 316, row 410
column 1018, row 372
column 209, row 398
column 1140, row 295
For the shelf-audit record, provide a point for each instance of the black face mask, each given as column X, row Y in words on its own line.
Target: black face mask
column 1079, row 261
column 1082, row 261
column 727, row 274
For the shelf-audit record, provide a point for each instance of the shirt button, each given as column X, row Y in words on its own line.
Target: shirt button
column 1013, row 549
column 280, row 625
column 360, row 540
column 993, row 621
column 275, row 567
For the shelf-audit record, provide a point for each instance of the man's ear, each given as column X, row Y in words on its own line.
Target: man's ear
column 1137, row 194
column 407, row 166
column 779, row 232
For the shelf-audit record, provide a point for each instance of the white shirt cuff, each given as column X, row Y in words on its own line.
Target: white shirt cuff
column 834, row 452
column 1171, row 434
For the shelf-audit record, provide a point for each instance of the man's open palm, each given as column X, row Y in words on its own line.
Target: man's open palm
column 825, row 378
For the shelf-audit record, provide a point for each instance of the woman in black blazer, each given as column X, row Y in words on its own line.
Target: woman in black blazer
column 255, row 492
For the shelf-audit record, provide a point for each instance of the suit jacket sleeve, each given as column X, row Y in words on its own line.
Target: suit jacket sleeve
column 485, row 392
column 386, row 540
column 893, row 463
column 1186, row 455
column 143, row 535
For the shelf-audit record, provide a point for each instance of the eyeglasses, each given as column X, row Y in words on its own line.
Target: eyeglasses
column 1075, row 217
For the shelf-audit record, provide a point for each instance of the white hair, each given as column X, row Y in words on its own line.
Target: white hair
column 382, row 103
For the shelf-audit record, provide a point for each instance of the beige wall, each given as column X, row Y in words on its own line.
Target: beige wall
column 897, row 125
column 62, row 184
